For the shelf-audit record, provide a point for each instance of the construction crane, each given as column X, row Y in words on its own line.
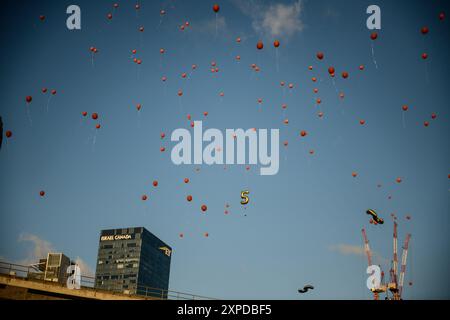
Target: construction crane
column 395, row 285
column 382, row 287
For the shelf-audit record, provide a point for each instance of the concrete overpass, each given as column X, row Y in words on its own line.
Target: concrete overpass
column 16, row 288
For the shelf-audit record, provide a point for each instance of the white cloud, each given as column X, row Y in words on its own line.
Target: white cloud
column 274, row 20
column 348, row 249
column 40, row 248
column 212, row 26
column 85, row 268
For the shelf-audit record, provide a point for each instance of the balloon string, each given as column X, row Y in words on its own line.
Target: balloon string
column 139, row 119
column 276, row 59
column 334, row 85
column 93, row 141
column 403, row 120
column 216, row 27
column 373, row 57
column 48, row 102
column 29, row 115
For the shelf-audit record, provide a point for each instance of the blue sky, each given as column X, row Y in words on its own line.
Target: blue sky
column 299, row 223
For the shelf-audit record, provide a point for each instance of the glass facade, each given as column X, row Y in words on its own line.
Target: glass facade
column 133, row 261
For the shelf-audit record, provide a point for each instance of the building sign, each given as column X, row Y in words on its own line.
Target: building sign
column 166, row 250
column 117, row 237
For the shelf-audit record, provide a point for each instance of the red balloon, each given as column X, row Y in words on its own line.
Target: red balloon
column 331, row 70
column 204, row 208
column 109, row 16
column 426, row 123
column 180, row 93
column 303, row 133
column 162, row 149
column 155, row 183
column 424, row 30
column 319, row 55
column 405, row 108
column 238, row 40
column 94, row 116
column 42, row 193
column 162, row 50
column 206, row 234
column 354, row 174
column 181, row 235
column 259, row 45
column 398, row 180
column 345, row 75
column 318, row 101
column 433, row 116
column 373, row 35
column 41, row 17
column 98, row 126
column 8, row 134
column 141, row 29
column 216, row 8
column 186, row 180
column 441, row 16
column 84, row 113
column 163, row 135
column 189, row 198
column 276, row 43
column 53, row 92
column 361, row 67
column 28, row 99
column 424, row 55
column 44, row 90
column 144, row 197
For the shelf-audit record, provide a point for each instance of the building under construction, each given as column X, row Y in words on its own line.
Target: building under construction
column 394, row 288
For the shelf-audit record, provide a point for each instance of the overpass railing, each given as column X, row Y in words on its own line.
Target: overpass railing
column 32, row 273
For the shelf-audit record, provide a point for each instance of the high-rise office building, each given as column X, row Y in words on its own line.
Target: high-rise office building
column 134, row 261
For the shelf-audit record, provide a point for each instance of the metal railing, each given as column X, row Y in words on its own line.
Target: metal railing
column 31, row 273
